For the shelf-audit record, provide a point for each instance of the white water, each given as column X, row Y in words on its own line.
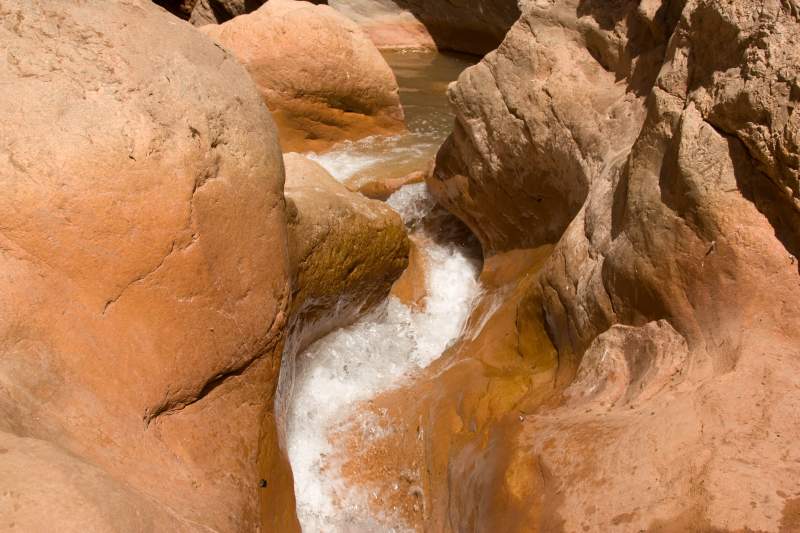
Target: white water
column 356, row 363
column 381, row 350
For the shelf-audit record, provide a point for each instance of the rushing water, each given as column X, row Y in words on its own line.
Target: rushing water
column 379, row 351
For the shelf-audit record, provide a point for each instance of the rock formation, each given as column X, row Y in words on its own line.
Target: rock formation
column 470, row 26
column 345, row 250
column 145, row 277
column 653, row 145
column 318, row 72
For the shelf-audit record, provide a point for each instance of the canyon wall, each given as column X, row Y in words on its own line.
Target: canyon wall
column 655, row 144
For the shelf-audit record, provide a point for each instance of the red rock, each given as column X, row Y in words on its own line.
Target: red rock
column 345, row 251
column 143, row 267
column 318, row 72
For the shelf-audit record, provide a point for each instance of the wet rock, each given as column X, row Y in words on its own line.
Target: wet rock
column 430, row 438
column 345, row 250
column 382, row 187
column 318, row 72
column 143, row 272
column 410, row 288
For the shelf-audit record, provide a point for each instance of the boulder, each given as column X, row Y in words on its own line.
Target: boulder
column 345, row 251
column 143, row 270
column 388, row 25
column 382, row 187
column 653, row 143
column 317, row 71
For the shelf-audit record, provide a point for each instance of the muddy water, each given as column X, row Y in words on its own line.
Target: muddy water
column 423, row 78
column 380, row 351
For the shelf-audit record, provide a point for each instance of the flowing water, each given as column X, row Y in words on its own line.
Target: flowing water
column 379, row 351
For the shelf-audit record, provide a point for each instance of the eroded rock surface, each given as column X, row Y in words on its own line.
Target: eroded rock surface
column 144, row 274
column 318, row 72
column 654, row 144
column 345, row 250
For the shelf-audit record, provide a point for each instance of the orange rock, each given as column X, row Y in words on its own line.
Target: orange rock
column 410, row 288
column 654, row 143
column 381, row 188
column 318, row 72
column 143, row 269
column 345, row 251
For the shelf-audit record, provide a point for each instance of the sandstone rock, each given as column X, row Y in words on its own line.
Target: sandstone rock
column 143, row 270
column 470, row 26
column 653, row 143
column 388, row 25
column 317, row 71
column 345, row 250
column 555, row 113
column 410, row 288
column 46, row 488
column 381, row 188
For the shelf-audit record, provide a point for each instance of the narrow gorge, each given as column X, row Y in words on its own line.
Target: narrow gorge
column 362, row 266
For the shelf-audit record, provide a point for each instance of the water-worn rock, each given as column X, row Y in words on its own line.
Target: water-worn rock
column 382, row 187
column 470, row 26
column 318, row 72
column 143, row 273
column 345, row 250
column 655, row 143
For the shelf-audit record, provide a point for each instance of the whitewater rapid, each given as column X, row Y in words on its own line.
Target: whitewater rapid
column 358, row 362
column 322, row 386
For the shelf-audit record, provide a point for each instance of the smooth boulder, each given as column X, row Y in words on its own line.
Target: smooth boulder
column 317, row 71
column 143, row 270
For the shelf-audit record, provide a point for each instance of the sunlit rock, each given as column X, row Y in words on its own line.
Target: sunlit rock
column 144, row 274
column 317, row 71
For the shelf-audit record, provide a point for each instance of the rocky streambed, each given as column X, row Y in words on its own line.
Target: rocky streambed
column 258, row 273
column 323, row 386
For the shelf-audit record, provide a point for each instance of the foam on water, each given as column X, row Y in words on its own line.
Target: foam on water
column 356, row 363
column 321, row 387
